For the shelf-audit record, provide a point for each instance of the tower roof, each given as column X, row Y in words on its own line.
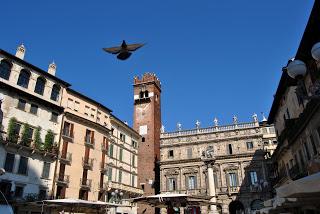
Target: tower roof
column 147, row 78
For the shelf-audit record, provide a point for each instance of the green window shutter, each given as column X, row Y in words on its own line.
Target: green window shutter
column 121, row 154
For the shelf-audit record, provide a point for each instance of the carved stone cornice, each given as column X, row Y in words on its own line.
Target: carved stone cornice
column 231, row 167
column 171, row 172
column 190, row 171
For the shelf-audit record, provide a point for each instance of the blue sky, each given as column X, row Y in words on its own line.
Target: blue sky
column 214, row 58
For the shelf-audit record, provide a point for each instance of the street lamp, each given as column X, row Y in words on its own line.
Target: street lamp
column 2, row 171
column 116, row 197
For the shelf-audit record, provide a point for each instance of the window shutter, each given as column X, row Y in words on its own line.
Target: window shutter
column 71, row 130
column 92, row 137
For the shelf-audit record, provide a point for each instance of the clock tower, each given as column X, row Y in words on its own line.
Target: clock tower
column 147, row 122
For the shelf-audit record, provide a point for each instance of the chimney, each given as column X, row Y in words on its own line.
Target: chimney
column 52, row 69
column 20, row 51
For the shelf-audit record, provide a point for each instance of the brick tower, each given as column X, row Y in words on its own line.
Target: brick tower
column 147, row 121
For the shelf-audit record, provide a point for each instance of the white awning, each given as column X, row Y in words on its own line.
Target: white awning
column 301, row 187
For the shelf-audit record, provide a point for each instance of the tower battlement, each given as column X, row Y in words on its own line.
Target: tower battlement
column 147, row 78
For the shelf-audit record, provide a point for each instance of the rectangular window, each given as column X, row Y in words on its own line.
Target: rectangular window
column 121, row 154
column 34, row 109
column 109, row 174
column 133, row 180
column 111, row 150
column 133, row 160
column 191, row 182
column 68, row 129
column 134, row 144
column 189, row 153
column 170, row 154
column 76, row 106
column 233, row 180
column 54, row 117
column 70, row 103
column 253, row 177
column 122, row 137
column 301, row 159
column 45, row 170
column 306, row 149
column 171, row 184
column 249, row 145
column 215, row 177
column 21, row 104
column 23, row 166
column 9, row 163
column 86, row 110
column 313, row 145
column 18, row 193
column 229, row 149
column 120, row 176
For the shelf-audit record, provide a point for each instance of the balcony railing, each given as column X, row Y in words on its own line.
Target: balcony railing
column 234, row 189
column 210, row 130
column 103, row 186
column 88, row 141
column 104, row 167
column 87, row 163
column 63, row 179
column 66, row 158
column 104, row 148
column 27, row 144
column 85, row 183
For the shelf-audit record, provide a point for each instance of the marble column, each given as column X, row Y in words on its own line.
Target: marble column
column 212, row 189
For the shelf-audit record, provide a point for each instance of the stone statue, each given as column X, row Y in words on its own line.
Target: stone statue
column 208, row 153
column 162, row 129
column 179, row 126
column 198, row 124
column 235, row 119
column 215, row 121
column 255, row 117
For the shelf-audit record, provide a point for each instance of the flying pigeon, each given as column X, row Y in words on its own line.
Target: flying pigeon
column 124, row 51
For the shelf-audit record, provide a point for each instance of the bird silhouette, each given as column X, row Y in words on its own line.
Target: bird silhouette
column 124, row 51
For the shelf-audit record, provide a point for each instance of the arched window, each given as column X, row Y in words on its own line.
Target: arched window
column 55, row 92
column 40, row 85
column 146, row 93
column 141, row 94
column 24, row 78
column 5, row 69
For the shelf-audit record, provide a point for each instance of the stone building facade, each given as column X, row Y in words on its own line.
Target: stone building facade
column 240, row 167
column 30, row 127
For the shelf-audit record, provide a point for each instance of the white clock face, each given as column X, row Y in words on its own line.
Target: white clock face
column 142, row 110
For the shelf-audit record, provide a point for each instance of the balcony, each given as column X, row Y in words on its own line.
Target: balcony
column 16, row 142
column 67, row 135
column 234, row 189
column 66, row 158
column 89, row 141
column 63, row 179
column 103, row 186
column 85, row 183
column 104, row 168
column 87, row 163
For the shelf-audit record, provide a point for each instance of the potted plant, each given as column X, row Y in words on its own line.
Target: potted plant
column 48, row 141
column 37, row 138
column 12, row 136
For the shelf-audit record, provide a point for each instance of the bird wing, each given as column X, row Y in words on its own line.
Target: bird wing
column 134, row 47
column 112, row 50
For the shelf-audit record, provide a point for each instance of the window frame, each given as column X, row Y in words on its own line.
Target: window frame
column 13, row 162
column 32, row 106
column 25, row 171
column 39, row 89
column 5, row 74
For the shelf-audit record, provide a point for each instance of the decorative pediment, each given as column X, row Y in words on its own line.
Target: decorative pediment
column 231, row 168
column 171, row 172
column 190, row 171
